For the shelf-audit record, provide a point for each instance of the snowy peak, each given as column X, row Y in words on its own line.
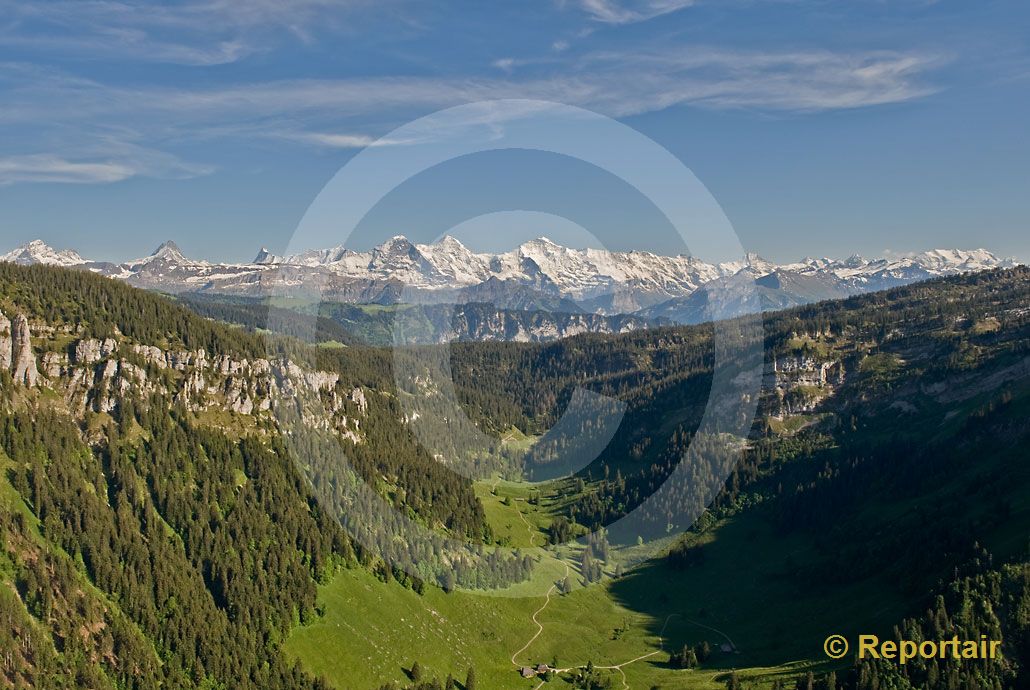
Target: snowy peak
column 399, row 257
column 952, row 260
column 450, row 242
column 266, row 258
column 758, row 265
column 39, row 252
column 397, row 247
column 876, row 274
column 454, row 264
column 541, row 243
column 169, row 251
column 318, row 257
column 599, row 280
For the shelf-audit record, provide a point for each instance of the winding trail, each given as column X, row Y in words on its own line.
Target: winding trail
column 661, row 647
column 708, row 627
column 625, row 682
column 616, row 667
column 539, row 625
column 529, row 527
column 661, row 633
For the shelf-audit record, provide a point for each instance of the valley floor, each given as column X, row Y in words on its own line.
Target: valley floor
column 751, row 614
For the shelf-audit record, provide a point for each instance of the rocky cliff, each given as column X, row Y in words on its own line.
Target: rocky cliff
column 16, row 355
column 801, row 381
column 6, row 344
column 98, row 375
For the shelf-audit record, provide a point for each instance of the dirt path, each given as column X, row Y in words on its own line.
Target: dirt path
column 529, row 527
column 616, row 667
column 625, row 683
column 539, row 625
column 707, row 627
column 661, row 633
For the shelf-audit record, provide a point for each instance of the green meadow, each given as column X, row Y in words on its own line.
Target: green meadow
column 741, row 596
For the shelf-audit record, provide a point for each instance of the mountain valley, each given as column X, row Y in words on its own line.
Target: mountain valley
column 142, row 442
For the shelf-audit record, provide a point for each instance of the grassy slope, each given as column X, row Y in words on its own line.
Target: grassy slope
column 515, row 522
column 744, row 591
column 372, row 632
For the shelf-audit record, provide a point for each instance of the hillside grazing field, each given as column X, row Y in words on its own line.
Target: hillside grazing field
column 515, row 522
column 372, row 632
column 744, row 592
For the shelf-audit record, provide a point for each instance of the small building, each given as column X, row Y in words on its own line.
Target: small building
column 528, row 672
column 542, row 669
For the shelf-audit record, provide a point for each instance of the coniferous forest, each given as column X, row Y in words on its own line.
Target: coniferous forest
column 151, row 541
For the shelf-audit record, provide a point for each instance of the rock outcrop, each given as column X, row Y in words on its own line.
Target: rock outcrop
column 800, row 382
column 6, row 343
column 91, row 351
column 23, row 360
column 98, row 374
column 357, row 396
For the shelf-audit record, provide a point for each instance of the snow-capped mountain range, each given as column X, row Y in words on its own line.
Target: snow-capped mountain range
column 538, row 274
column 39, row 252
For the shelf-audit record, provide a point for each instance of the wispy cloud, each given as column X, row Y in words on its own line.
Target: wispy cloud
column 124, row 130
column 136, row 45
column 339, row 141
column 505, row 64
column 615, row 83
column 51, row 168
column 99, row 159
column 787, row 81
column 631, row 11
column 193, row 32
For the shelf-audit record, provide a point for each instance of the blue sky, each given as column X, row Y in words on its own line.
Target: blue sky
column 822, row 127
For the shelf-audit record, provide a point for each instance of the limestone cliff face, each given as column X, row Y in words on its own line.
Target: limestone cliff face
column 798, row 383
column 90, row 351
column 471, row 323
column 16, row 355
column 98, row 374
column 24, row 364
column 6, row 344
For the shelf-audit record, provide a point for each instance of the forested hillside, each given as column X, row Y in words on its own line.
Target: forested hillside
column 892, row 438
column 886, row 372
column 150, row 483
column 374, row 324
column 147, row 487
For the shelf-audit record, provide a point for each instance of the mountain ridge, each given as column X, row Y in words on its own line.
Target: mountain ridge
column 536, row 275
